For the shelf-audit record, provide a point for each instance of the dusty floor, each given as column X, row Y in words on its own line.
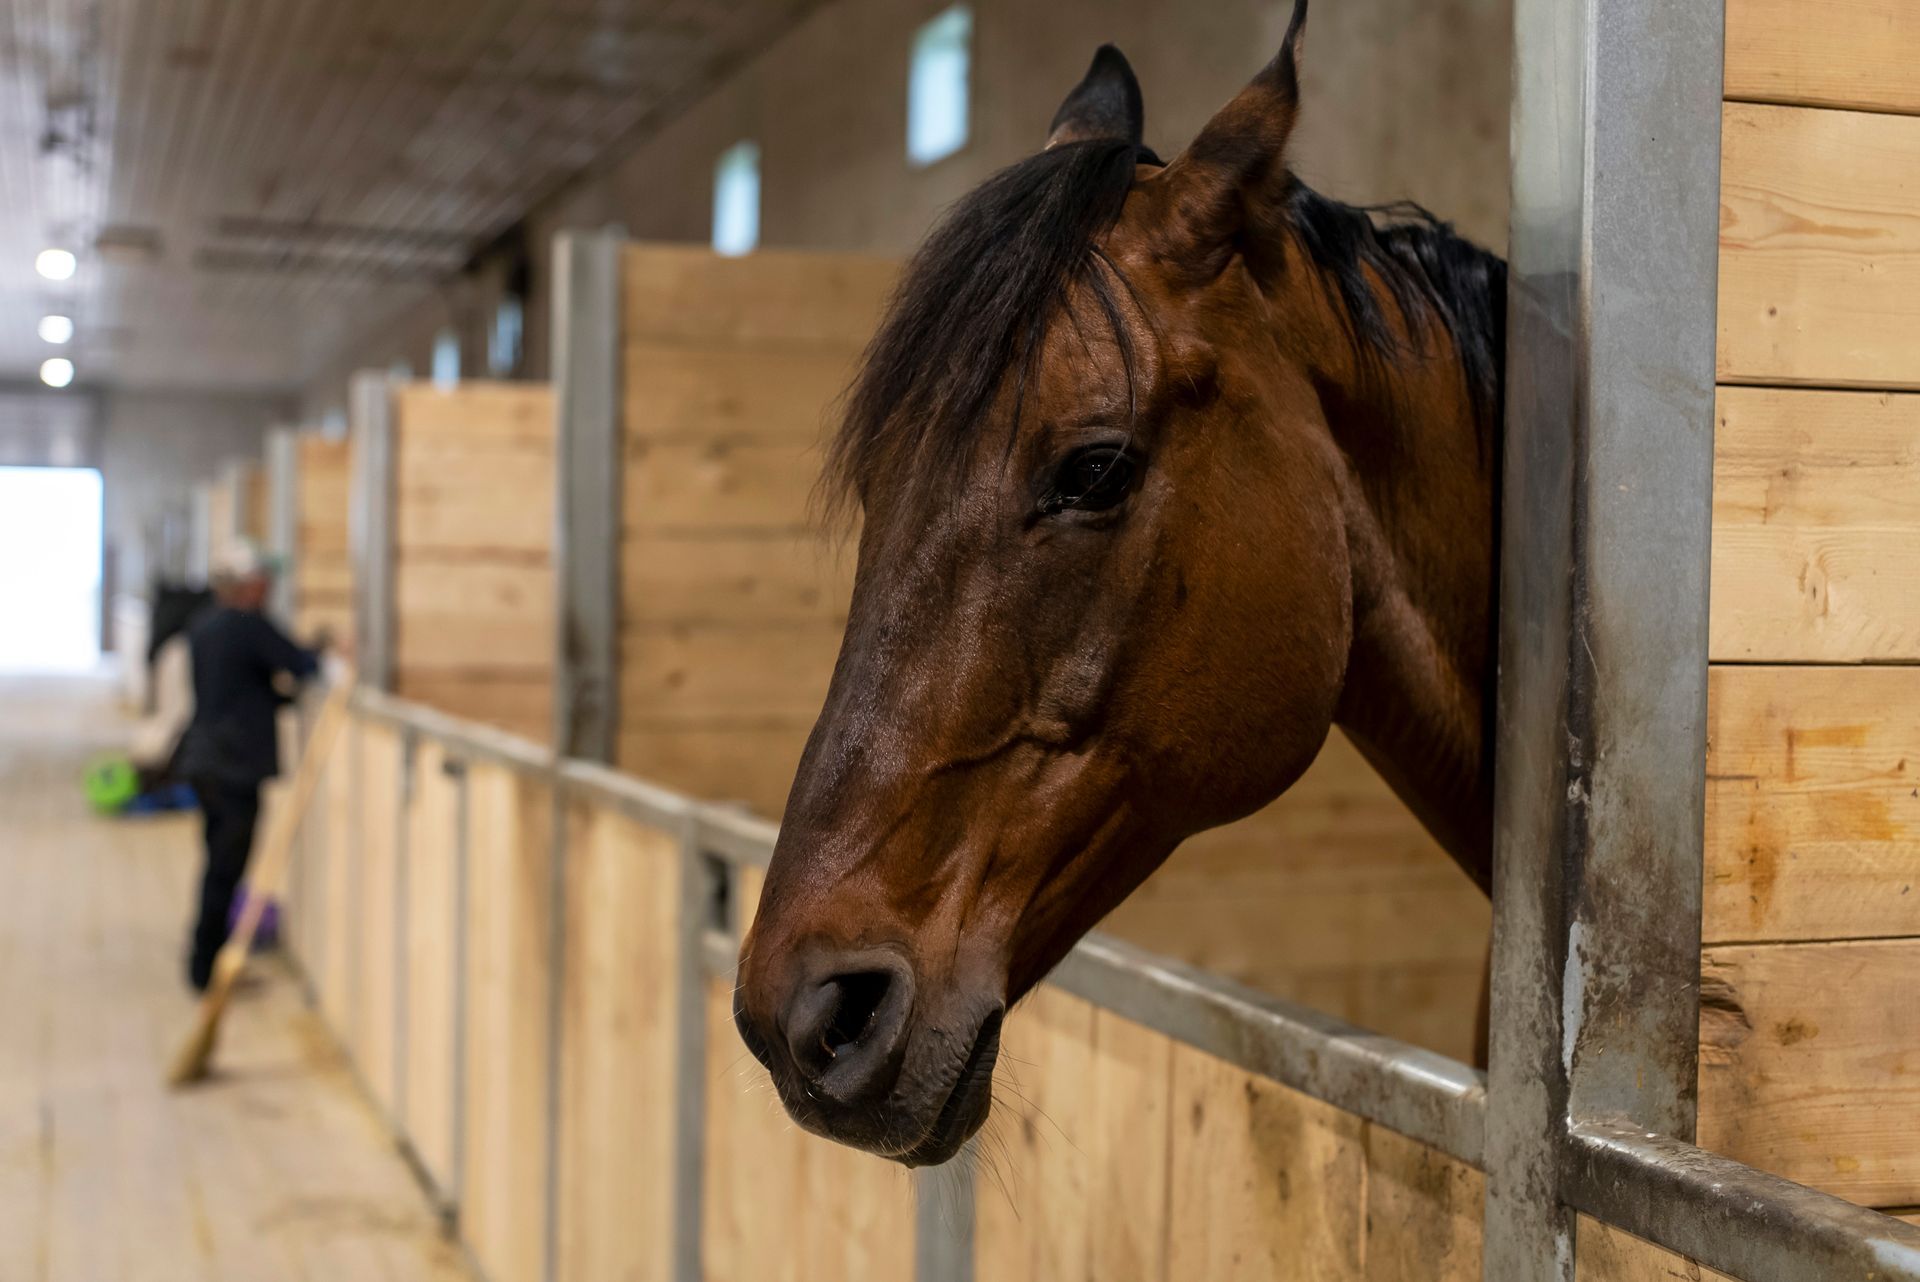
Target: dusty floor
column 276, row 1169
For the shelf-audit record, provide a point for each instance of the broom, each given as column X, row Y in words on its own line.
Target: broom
column 270, row 872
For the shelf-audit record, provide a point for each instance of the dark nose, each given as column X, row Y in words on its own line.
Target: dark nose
column 843, row 1023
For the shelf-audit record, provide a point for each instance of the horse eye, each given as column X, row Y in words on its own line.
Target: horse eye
column 1091, row 480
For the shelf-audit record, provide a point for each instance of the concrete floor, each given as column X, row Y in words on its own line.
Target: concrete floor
column 275, row 1169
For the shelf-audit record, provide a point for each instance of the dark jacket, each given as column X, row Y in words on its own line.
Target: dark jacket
column 236, row 656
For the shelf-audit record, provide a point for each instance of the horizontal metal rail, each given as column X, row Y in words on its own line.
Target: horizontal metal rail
column 1711, row 1209
column 1728, row 1216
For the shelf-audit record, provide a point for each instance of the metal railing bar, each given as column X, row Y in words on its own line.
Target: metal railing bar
column 467, row 738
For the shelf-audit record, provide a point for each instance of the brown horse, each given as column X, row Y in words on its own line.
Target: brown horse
column 1165, row 469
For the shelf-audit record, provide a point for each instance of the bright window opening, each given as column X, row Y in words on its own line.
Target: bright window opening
column 937, row 86
column 446, row 358
column 736, row 199
column 50, row 568
column 503, row 345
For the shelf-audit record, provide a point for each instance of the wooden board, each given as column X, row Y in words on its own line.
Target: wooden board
column 1819, row 247
column 1607, row 1254
column 376, row 923
column 727, row 673
column 323, row 572
column 731, row 394
column 339, row 945
column 719, row 484
column 1816, row 526
column 1813, row 803
column 771, row 298
column 503, row 1215
column 432, row 901
column 619, row 1012
column 780, row 1205
column 1810, row 1064
column 1859, row 54
column 474, row 629
column 755, row 577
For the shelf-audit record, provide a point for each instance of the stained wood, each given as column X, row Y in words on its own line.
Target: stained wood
column 511, row 699
column 1813, row 803
column 432, row 903
column 772, row 298
column 323, row 578
column 755, row 577
column 1807, row 1064
column 683, row 486
column 375, row 922
column 1859, row 54
column 505, row 1051
column 751, row 764
column 1607, row 1254
column 1819, row 247
column 472, row 615
column 728, row 672
column 618, row 1101
column 733, row 394
column 338, row 978
column 1816, row 526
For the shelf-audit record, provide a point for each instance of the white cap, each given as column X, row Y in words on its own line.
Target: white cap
column 239, row 562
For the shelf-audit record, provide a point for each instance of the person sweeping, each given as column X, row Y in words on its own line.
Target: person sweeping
column 243, row 670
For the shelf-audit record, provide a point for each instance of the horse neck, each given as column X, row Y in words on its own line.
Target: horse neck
column 1420, row 517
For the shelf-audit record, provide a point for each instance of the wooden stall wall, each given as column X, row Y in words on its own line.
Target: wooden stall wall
column 734, row 601
column 1810, row 1056
column 473, row 552
column 323, row 571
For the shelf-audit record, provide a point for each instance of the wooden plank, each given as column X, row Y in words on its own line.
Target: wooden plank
column 1607, row 1254
column 1808, row 1064
column 1073, row 1181
column 1424, row 1212
column 619, row 1011
column 1267, row 1182
column 339, row 944
column 519, row 701
column 1816, row 526
column 692, row 672
column 432, row 901
column 509, row 904
column 1819, row 248
column 477, row 414
column 772, row 298
column 1813, row 803
column 751, row 765
column 738, row 578
column 371, row 1036
column 732, row 394
column 1858, row 54
column 482, row 614
column 681, row 486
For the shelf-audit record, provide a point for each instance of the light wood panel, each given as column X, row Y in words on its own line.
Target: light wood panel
column 473, row 543
column 1819, row 247
column 618, row 1102
column 729, row 394
column 1607, row 1254
column 1859, row 54
column 508, row 940
column 1810, row 1064
column 432, row 903
column 728, row 672
column 377, row 825
column 719, row 485
column 339, row 946
column 758, row 577
column 1816, row 526
column 749, row 765
column 1813, row 814
column 780, row 1205
column 323, row 579
column 772, row 298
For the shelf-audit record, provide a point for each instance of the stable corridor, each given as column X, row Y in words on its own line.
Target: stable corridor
column 276, row 1169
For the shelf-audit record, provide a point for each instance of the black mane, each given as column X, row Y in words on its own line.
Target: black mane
column 976, row 298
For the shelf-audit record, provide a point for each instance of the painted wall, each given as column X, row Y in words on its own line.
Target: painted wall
column 1404, row 99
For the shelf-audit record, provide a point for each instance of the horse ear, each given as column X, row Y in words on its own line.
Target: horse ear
column 1105, row 105
column 1236, row 167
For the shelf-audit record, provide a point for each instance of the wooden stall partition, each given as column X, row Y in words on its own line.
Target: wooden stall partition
column 1122, row 1155
column 780, row 1205
column 323, row 572
column 1809, row 1034
column 216, row 498
column 429, row 938
column 338, row 940
column 473, row 596
column 508, row 981
column 733, row 601
column 375, row 825
column 619, row 1049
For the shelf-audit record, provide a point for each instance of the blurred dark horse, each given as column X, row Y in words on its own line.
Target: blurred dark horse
column 1165, row 469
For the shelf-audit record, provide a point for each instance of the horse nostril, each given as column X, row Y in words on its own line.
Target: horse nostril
column 859, row 1001
column 843, row 1030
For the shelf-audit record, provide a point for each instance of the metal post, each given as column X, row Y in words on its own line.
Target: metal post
column 1605, row 527
column 943, row 1221
column 371, row 528
column 283, row 519
column 586, row 358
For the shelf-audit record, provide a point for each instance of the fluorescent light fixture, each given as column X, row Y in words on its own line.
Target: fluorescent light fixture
column 56, row 264
column 56, row 329
column 56, row 371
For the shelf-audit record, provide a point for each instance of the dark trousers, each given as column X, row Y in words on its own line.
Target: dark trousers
column 230, row 810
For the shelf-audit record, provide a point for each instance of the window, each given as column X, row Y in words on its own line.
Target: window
column 50, row 546
column 937, row 86
column 401, row 371
column 446, row 358
column 333, row 423
column 736, row 199
column 503, row 345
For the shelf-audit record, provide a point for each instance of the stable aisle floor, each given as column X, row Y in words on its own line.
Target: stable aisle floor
column 276, row 1169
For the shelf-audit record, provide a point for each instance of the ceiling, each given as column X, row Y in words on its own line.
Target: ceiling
column 246, row 182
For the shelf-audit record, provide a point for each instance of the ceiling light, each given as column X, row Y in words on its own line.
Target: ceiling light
column 56, row 264
column 56, row 371
column 56, row 329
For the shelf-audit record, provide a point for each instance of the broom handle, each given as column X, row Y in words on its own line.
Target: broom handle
column 270, row 872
